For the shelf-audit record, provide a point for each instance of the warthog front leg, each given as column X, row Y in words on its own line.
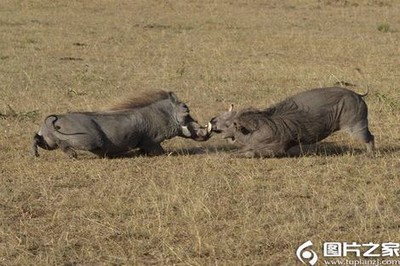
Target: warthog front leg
column 265, row 152
column 151, row 148
column 244, row 154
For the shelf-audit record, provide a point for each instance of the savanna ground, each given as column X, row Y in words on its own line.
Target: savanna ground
column 198, row 205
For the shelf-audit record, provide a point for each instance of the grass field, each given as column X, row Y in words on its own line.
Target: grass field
column 198, row 205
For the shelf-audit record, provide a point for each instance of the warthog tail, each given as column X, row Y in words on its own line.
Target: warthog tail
column 52, row 124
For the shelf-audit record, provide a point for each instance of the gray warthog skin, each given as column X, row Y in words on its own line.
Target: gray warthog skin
column 302, row 119
column 141, row 123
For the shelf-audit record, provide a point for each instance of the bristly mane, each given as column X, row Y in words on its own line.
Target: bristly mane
column 141, row 101
column 286, row 107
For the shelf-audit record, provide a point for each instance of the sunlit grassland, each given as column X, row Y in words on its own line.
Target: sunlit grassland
column 197, row 205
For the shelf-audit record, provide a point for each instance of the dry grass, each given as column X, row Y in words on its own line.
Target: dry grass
column 201, row 206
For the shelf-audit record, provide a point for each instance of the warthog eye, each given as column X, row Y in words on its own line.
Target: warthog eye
column 184, row 108
column 244, row 130
column 241, row 129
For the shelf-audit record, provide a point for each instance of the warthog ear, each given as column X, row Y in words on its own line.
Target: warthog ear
column 173, row 97
column 230, row 108
column 184, row 108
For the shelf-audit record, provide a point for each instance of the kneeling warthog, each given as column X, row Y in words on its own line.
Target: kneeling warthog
column 142, row 123
column 304, row 118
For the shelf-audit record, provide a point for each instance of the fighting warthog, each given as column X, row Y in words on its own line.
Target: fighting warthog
column 304, row 118
column 142, row 122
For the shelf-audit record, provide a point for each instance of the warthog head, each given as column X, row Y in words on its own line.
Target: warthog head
column 224, row 123
column 190, row 128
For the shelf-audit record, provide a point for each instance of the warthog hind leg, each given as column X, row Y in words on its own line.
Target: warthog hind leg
column 68, row 150
column 371, row 144
column 36, row 141
column 365, row 136
column 71, row 152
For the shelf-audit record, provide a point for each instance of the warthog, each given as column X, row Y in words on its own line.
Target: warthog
column 142, row 123
column 304, row 118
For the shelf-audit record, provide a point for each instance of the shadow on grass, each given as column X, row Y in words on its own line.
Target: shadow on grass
column 207, row 149
column 388, row 150
column 324, row 149
column 319, row 149
column 334, row 149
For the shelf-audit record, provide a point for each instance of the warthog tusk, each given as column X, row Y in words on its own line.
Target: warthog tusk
column 231, row 140
column 186, row 131
column 209, row 127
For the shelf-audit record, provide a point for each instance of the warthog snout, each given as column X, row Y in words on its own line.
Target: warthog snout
column 213, row 125
column 196, row 132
